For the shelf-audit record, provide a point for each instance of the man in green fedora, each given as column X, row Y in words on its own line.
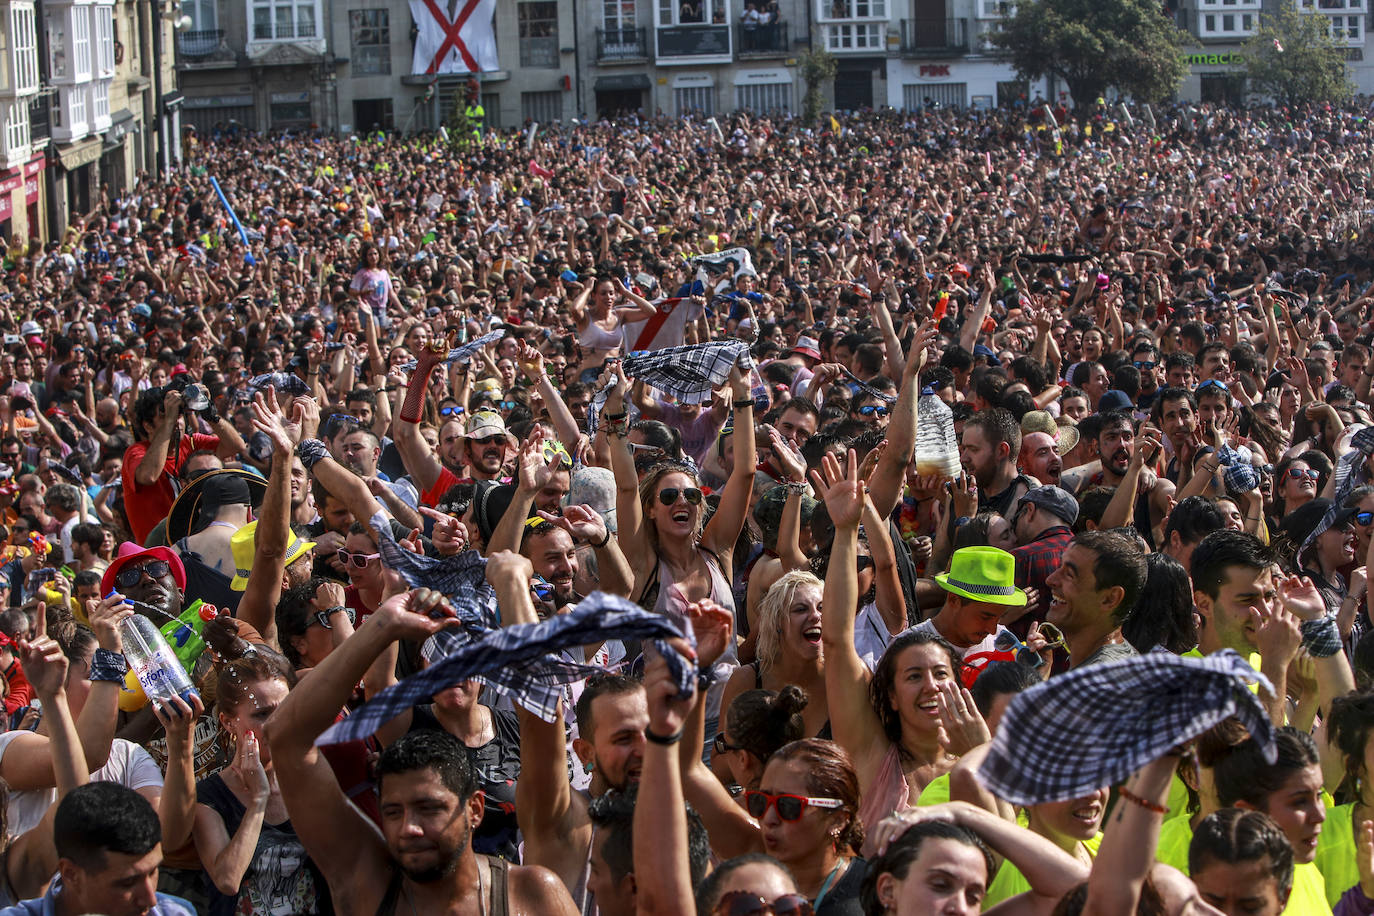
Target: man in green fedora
column 979, row 587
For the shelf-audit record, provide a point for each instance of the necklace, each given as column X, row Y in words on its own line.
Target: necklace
column 825, row 888
column 229, row 525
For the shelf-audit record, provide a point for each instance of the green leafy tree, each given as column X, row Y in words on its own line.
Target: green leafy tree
column 1293, row 59
column 1096, row 45
column 818, row 66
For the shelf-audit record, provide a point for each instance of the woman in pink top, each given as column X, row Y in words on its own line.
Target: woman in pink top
column 891, row 727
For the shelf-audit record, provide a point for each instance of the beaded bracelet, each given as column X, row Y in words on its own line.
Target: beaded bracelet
column 1142, row 802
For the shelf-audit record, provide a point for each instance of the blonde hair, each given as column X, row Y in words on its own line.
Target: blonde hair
column 773, row 612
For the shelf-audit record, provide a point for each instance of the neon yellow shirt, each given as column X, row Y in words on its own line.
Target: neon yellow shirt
column 1010, row 882
column 936, row 792
column 1336, row 852
column 1309, row 892
column 1175, row 836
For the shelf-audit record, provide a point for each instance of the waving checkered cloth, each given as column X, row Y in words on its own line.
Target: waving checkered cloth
column 689, row 373
column 1347, row 475
column 1095, row 726
column 462, row 354
column 521, row 660
column 462, row 578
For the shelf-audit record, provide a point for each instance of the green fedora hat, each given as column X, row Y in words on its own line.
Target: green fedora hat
column 984, row 574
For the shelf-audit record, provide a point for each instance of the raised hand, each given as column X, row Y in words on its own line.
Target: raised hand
column 506, row 565
column 713, row 626
column 583, row 523
column 247, row 766
column 963, row 492
column 449, row 536
column 1301, row 598
column 416, row 615
column 44, row 663
column 105, row 615
column 1277, row 635
column 667, row 710
column 960, row 719
column 178, row 721
column 535, row 471
column 919, row 354
column 788, row 458
column 870, row 462
column 840, row 490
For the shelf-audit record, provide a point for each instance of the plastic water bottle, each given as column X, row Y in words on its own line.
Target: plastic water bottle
column 152, row 661
column 937, row 450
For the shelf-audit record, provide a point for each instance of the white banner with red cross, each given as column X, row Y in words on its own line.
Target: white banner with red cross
column 455, row 36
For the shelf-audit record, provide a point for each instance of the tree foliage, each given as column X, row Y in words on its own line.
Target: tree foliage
column 1293, row 59
column 818, row 66
column 1096, row 45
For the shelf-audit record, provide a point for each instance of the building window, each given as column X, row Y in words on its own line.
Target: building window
column 765, row 99
column 618, row 14
column 291, row 114
column 25, row 40
column 867, row 37
column 1226, row 25
column 695, row 100
column 491, row 105
column 17, row 127
column 284, row 20
column 104, row 41
column 925, row 96
column 203, row 13
column 58, row 58
column 853, row 9
column 693, row 12
column 371, row 31
column 538, row 24
column 543, row 107
column 77, row 97
column 996, row 9
column 100, row 100
column 81, row 43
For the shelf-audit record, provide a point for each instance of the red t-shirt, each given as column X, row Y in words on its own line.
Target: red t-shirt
column 146, row 506
column 435, row 493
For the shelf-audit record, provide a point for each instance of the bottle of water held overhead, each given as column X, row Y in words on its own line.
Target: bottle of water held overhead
column 152, row 661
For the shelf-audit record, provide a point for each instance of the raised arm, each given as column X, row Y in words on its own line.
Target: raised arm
column 1128, row 848
column 885, row 486
column 345, row 844
column 258, row 605
column 420, row 462
column 727, row 522
column 855, row 725
column 155, row 459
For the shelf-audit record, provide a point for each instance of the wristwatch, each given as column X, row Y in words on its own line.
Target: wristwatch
column 322, row 617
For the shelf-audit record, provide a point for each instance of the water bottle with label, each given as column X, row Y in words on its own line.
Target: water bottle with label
column 152, row 661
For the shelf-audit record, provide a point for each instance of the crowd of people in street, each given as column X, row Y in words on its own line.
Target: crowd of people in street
column 916, row 513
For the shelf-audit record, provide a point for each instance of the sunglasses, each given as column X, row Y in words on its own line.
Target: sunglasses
column 870, row 410
column 450, row 411
column 1054, row 638
column 722, row 745
column 508, row 405
column 747, row 903
column 1007, row 641
column 863, row 561
column 790, row 807
column 1364, row 519
column 1145, row 365
column 359, row 560
column 542, row 588
column 130, row 576
column 1212, row 383
column 668, row 495
column 488, row 440
column 1299, row 474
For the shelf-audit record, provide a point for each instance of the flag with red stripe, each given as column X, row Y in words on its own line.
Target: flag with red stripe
column 666, row 328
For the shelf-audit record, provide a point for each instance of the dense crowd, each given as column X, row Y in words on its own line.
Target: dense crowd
column 921, row 513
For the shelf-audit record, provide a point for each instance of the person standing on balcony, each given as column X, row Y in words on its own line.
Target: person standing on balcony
column 749, row 23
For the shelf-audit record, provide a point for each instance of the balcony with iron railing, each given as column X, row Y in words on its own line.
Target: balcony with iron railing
column 628, row 45
column 696, row 41
column 934, row 37
column 767, row 40
column 200, row 43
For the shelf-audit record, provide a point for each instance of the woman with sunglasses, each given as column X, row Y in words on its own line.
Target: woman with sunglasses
column 676, row 556
column 1295, row 485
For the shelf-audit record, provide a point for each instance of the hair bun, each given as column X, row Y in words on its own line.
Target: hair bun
column 791, row 700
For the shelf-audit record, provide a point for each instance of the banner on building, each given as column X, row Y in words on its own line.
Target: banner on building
column 455, row 36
